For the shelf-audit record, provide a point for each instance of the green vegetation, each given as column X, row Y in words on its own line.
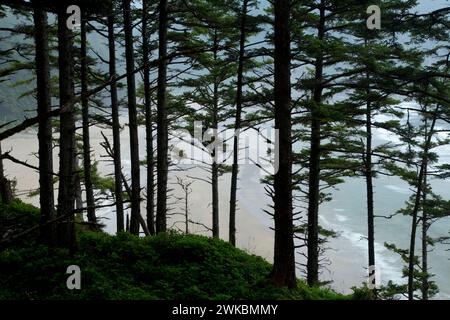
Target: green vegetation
column 167, row 266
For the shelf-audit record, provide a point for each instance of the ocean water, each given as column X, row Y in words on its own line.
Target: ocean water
column 345, row 261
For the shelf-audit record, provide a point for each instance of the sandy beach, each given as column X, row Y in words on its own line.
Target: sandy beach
column 252, row 235
column 253, row 225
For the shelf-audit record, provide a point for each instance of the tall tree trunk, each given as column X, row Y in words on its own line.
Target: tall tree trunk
column 214, row 165
column 215, row 197
column 283, row 273
column 2, row 178
column 162, row 130
column 314, row 164
column 115, row 125
column 66, row 195
column 186, row 209
column 369, row 187
column 415, row 211
column 86, row 137
column 425, row 284
column 148, row 122
column 237, row 126
column 2, row 172
column 46, row 191
column 133, row 125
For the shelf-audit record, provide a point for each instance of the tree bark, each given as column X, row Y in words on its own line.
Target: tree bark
column 237, row 126
column 425, row 284
column 115, row 125
column 133, row 125
column 283, row 273
column 369, row 189
column 186, row 211
column 415, row 211
column 162, row 130
column 78, row 190
column 314, row 164
column 148, row 122
column 2, row 178
column 66, row 195
column 2, row 172
column 214, row 165
column 215, row 198
column 86, row 137
column 46, row 190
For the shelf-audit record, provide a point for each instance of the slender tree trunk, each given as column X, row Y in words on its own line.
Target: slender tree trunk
column 283, row 273
column 78, row 190
column 46, row 191
column 66, row 195
column 369, row 189
column 314, row 165
column 133, row 125
column 148, row 123
column 2, row 172
column 425, row 283
column 419, row 191
column 186, row 209
column 115, row 126
column 215, row 198
column 86, row 137
column 162, row 131
column 237, row 126
column 214, row 165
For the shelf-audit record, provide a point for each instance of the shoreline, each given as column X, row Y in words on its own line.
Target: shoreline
column 253, row 225
column 253, row 233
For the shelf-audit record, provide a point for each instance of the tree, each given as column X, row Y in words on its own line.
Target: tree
column 371, row 95
column 283, row 272
column 314, row 158
column 132, row 114
column 187, row 190
column 46, row 198
column 66, row 191
column 148, row 120
column 208, row 90
column 318, row 51
column 115, row 123
column 238, row 123
column 162, row 129
column 85, row 120
column 416, row 170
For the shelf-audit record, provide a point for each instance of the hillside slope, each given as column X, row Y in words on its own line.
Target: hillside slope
column 167, row 266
